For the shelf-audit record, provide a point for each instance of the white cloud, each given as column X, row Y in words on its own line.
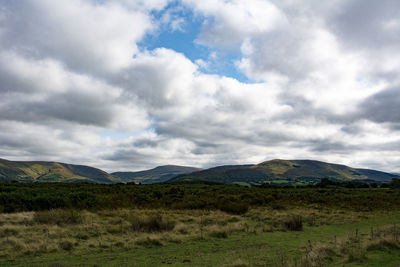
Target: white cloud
column 76, row 88
column 202, row 63
column 233, row 21
column 84, row 35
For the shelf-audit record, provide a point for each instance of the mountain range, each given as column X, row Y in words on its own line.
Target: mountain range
column 285, row 171
column 274, row 171
column 156, row 175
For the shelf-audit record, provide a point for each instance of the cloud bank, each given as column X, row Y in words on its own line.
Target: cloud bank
column 79, row 85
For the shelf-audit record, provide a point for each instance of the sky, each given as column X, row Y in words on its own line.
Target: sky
column 130, row 85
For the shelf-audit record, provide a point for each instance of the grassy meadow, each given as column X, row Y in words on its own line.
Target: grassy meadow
column 234, row 226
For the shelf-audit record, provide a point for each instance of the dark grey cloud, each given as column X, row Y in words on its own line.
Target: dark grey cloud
column 69, row 108
column 367, row 24
column 382, row 107
column 332, row 147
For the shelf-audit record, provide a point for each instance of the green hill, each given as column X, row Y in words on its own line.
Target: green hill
column 42, row 171
column 283, row 172
column 156, row 175
column 274, row 171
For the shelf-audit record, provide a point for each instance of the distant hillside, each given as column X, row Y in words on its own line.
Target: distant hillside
column 231, row 167
column 156, row 175
column 42, row 171
column 284, row 171
column 274, row 171
column 378, row 175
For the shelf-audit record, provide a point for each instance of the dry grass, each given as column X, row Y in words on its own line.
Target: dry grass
column 151, row 223
column 58, row 216
column 352, row 248
column 67, row 230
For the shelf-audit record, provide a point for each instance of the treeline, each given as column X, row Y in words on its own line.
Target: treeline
column 329, row 183
column 15, row 197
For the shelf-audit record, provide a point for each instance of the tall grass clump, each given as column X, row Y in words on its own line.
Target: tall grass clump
column 151, row 223
column 58, row 217
column 293, row 223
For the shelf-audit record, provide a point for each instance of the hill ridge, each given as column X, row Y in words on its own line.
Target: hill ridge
column 155, row 175
column 51, row 171
column 302, row 171
column 295, row 171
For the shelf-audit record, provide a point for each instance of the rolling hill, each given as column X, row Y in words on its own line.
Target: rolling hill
column 273, row 171
column 284, row 171
column 42, row 171
column 156, row 175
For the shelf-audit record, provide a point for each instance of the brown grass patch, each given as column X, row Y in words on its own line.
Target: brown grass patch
column 151, row 223
column 58, row 217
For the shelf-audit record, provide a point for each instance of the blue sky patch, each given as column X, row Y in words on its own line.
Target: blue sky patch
column 183, row 40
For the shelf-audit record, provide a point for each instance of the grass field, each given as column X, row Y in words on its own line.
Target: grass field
column 199, row 238
column 197, row 225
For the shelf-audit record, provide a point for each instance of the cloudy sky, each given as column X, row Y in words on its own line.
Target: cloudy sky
column 129, row 85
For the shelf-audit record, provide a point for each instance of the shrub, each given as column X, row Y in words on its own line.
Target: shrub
column 231, row 207
column 151, row 223
column 395, row 183
column 294, row 223
column 58, row 216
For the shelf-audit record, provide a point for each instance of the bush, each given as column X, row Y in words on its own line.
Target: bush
column 235, row 208
column 151, row 223
column 395, row 183
column 294, row 223
column 58, row 216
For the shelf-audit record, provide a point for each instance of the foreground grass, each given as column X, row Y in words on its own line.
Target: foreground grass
column 198, row 238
